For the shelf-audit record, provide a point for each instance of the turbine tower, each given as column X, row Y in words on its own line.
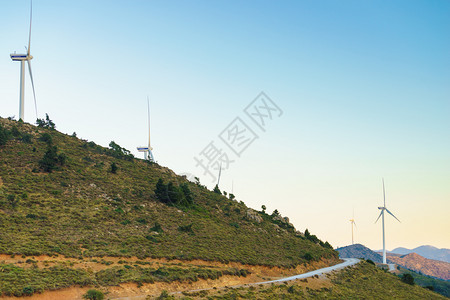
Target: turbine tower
column 352, row 222
column 25, row 58
column 383, row 209
column 147, row 150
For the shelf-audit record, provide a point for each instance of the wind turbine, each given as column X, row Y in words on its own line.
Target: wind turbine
column 383, row 209
column 352, row 222
column 147, row 150
column 25, row 58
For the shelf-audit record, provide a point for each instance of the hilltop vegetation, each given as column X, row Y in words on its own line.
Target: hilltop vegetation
column 60, row 196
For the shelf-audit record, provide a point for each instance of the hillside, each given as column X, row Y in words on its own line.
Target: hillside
column 360, row 251
column 64, row 197
column 415, row 262
column 429, row 252
column 438, row 285
column 364, row 281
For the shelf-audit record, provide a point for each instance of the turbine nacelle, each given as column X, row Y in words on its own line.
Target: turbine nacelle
column 21, row 57
column 380, row 207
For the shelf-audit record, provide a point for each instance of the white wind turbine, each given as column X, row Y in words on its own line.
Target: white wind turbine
column 147, row 150
column 22, row 58
column 383, row 209
column 352, row 222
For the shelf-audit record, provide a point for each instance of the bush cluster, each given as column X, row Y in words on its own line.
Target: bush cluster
column 174, row 195
column 313, row 238
column 47, row 123
column 118, row 152
column 51, row 159
column 4, row 135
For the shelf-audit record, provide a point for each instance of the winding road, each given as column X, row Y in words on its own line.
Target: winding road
column 347, row 262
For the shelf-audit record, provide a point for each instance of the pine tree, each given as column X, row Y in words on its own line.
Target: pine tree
column 114, row 168
column 162, row 192
column 217, row 190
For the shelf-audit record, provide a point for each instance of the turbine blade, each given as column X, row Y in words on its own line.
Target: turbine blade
column 392, row 215
column 354, row 223
column 32, row 85
column 29, row 37
column 384, row 194
column 379, row 216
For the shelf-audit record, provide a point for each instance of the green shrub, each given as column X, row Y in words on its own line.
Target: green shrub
column 26, row 138
column 28, row 291
column 46, row 137
column 94, row 295
column 164, row 295
column 114, row 168
column 15, row 131
column 51, row 159
column 4, row 135
column 408, row 278
column 157, row 228
column 308, row 256
column 172, row 195
column 186, row 228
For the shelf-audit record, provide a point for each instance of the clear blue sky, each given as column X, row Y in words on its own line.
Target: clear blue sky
column 363, row 86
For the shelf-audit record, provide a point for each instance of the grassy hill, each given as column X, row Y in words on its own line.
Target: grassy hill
column 439, row 286
column 75, row 214
column 82, row 209
column 364, row 281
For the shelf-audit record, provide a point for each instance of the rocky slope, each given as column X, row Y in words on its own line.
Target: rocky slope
column 415, row 262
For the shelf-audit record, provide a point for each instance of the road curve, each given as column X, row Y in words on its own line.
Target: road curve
column 347, row 262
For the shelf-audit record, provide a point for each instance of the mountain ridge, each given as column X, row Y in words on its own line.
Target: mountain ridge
column 427, row 251
column 360, row 251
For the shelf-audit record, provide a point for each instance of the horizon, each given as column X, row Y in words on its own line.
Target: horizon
column 361, row 90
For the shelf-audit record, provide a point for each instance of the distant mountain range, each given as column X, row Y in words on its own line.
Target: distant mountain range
column 412, row 261
column 429, row 252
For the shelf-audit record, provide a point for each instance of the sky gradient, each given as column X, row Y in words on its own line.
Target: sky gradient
column 363, row 86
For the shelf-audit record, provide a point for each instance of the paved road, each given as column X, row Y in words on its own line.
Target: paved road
column 347, row 262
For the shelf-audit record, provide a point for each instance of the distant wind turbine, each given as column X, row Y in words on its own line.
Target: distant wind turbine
column 352, row 222
column 383, row 209
column 147, row 150
column 22, row 58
